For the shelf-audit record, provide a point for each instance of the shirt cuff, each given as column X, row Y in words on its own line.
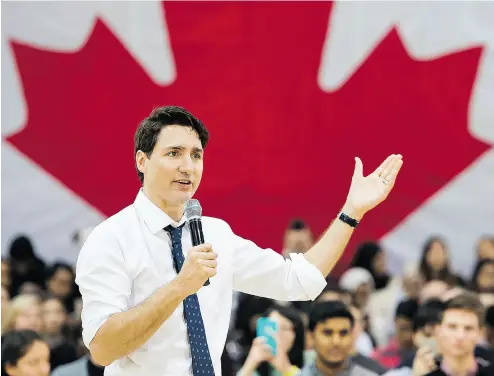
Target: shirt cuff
column 89, row 331
column 309, row 276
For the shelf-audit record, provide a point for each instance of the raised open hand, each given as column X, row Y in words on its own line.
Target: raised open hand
column 366, row 192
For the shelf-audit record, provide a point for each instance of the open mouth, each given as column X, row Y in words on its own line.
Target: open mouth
column 184, row 183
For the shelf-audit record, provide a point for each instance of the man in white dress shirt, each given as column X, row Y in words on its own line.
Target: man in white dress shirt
column 134, row 301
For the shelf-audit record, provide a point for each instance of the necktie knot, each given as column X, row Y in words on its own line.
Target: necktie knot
column 174, row 230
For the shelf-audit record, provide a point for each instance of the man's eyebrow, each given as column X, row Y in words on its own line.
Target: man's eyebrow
column 181, row 147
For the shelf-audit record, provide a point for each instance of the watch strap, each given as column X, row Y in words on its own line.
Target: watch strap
column 348, row 220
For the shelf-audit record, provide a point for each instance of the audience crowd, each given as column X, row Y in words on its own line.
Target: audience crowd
column 429, row 321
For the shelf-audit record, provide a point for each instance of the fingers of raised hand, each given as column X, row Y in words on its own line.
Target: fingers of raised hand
column 383, row 165
column 388, row 171
column 392, row 163
column 391, row 177
column 390, row 174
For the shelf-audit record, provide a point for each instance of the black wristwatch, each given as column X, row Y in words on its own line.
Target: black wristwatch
column 348, row 220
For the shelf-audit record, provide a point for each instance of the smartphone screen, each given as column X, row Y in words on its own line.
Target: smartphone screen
column 267, row 328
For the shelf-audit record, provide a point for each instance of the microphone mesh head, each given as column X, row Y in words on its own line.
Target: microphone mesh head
column 193, row 209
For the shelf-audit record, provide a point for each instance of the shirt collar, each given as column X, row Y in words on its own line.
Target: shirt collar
column 154, row 218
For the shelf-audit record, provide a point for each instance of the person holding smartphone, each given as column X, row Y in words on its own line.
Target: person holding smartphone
column 286, row 357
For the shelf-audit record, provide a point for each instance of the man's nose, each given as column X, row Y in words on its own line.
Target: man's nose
column 460, row 334
column 186, row 165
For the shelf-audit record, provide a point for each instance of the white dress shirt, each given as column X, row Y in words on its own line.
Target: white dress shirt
column 128, row 257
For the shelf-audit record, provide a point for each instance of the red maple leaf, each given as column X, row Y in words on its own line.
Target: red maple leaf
column 280, row 147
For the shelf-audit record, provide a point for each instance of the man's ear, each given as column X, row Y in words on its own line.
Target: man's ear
column 141, row 161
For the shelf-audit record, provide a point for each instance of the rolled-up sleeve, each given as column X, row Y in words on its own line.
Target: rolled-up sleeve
column 263, row 272
column 103, row 280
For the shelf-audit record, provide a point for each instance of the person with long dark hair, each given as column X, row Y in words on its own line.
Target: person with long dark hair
column 435, row 264
column 24, row 353
column 370, row 256
column 483, row 277
column 290, row 346
column 25, row 265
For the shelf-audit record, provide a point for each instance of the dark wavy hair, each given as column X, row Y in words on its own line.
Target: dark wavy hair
column 15, row 345
column 445, row 273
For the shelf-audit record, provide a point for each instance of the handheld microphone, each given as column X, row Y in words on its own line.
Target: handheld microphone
column 193, row 213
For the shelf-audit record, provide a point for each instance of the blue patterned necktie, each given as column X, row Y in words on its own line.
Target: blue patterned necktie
column 201, row 359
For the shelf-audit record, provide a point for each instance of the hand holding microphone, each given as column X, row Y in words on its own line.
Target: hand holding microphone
column 199, row 266
column 200, row 263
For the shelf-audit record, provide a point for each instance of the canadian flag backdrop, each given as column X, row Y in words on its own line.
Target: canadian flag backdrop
column 291, row 93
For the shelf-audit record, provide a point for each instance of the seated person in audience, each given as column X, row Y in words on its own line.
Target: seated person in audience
column 298, row 238
column 426, row 320
column 435, row 263
column 359, row 282
column 391, row 355
column 24, row 313
column 24, row 353
column 457, row 337
column 483, row 277
column 331, row 326
column 250, row 308
column 355, row 288
column 290, row 346
column 362, row 342
column 371, row 257
column 25, row 265
column 60, row 283
column 485, row 248
column 54, row 317
column 54, row 323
